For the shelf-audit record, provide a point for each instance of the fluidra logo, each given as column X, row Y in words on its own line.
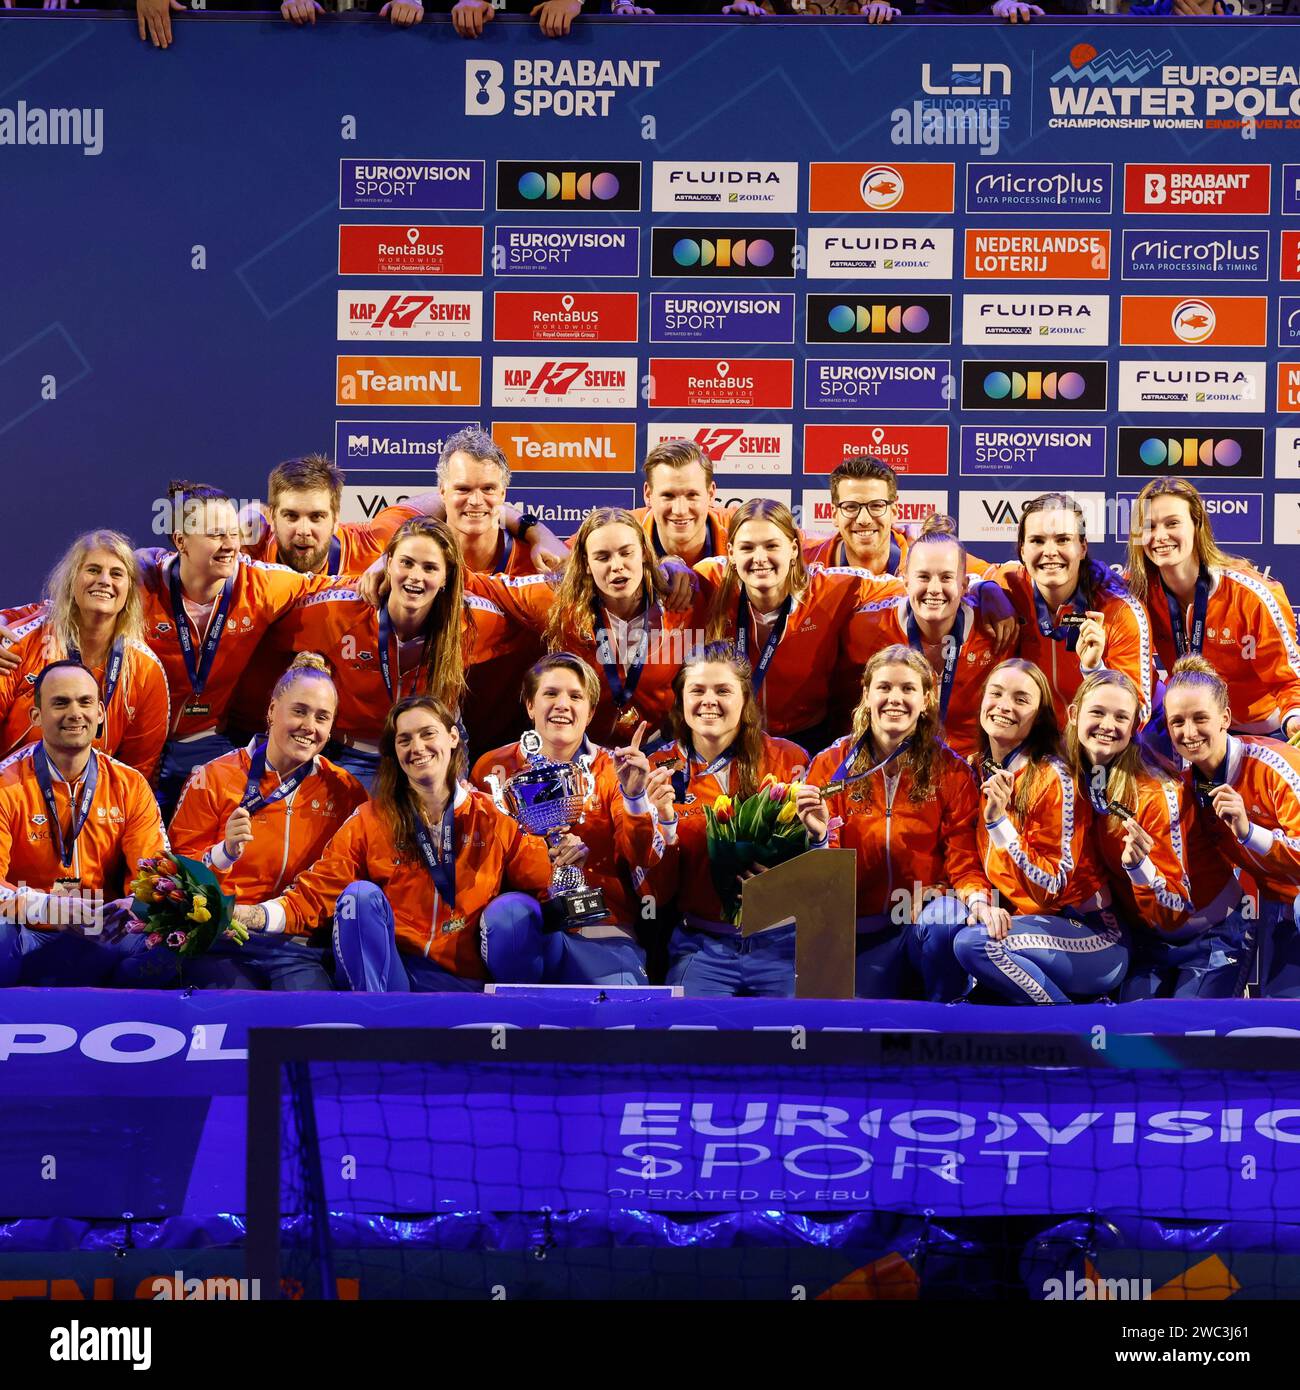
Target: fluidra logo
column 542, row 86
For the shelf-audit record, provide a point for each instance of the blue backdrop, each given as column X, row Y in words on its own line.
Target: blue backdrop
column 172, row 283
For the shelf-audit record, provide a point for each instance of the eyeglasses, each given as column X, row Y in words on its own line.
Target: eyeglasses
column 875, row 509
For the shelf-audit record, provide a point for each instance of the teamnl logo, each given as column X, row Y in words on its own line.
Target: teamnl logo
column 547, row 87
column 965, row 104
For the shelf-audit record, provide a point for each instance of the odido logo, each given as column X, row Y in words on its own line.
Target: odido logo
column 765, row 254
column 863, row 318
column 1193, row 320
column 568, row 187
column 882, row 187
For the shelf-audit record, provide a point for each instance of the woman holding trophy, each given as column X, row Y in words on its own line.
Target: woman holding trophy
column 411, row 874
column 610, row 814
column 721, row 758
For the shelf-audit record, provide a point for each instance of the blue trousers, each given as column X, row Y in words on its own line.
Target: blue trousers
column 519, row 952
column 366, row 956
column 912, row 960
column 35, row 956
column 709, row 964
column 1279, row 948
column 362, row 765
column 1216, row 965
column 264, row 961
column 178, row 761
column 1046, row 958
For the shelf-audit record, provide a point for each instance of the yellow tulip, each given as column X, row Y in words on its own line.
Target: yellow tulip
column 200, row 900
column 786, row 814
column 721, row 804
column 200, row 915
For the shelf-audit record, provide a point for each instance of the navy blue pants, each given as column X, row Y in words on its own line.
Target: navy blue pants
column 709, row 964
column 519, row 951
column 178, row 761
column 366, row 955
column 1279, row 948
column 37, row 956
column 1046, row 958
column 264, row 961
column 909, row 960
column 1215, row 965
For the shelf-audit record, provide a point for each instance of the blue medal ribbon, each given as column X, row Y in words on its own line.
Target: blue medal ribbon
column 440, row 863
column 112, row 667
column 952, row 644
column 621, row 687
column 839, row 780
column 1182, row 643
column 773, row 637
column 253, row 800
column 335, row 555
column 80, row 809
column 683, row 776
column 198, row 670
column 1047, row 624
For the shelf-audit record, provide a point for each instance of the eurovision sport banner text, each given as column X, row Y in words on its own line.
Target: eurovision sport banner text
column 141, row 1098
column 1002, row 258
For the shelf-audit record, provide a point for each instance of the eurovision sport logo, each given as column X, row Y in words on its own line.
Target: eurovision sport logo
column 1082, row 319
column 1225, row 190
column 604, row 253
column 544, row 446
column 1049, row 188
column 1200, row 387
column 1192, row 452
column 402, row 316
column 409, row 380
column 880, row 253
column 416, row 445
column 908, row 449
column 531, row 316
column 722, row 318
column 370, row 249
column 713, row 253
column 1181, row 255
column 731, row 448
column 1169, row 321
column 574, row 186
column 877, row 384
column 707, row 383
column 887, row 187
column 1237, row 518
column 576, row 382
column 1005, row 450
column 752, row 188
column 1033, row 385
column 1033, row 254
column 878, row 318
column 412, row 185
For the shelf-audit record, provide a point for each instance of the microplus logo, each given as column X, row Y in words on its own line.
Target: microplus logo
column 53, row 125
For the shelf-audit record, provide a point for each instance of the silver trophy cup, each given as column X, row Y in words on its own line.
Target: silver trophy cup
column 542, row 798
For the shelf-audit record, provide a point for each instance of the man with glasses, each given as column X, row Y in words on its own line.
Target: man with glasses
column 864, row 494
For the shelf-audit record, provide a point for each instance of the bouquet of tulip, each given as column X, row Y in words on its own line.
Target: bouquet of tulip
column 760, row 830
column 179, row 904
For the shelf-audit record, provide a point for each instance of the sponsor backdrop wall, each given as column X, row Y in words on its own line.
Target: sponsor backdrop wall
column 1001, row 259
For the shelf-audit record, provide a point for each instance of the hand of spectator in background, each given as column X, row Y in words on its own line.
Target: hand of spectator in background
column 469, row 16
column 743, row 7
column 878, row 12
column 58, row 4
column 555, row 17
column 403, row 13
column 1016, row 11
column 296, row 12
column 154, row 20
column 9, row 659
column 627, row 7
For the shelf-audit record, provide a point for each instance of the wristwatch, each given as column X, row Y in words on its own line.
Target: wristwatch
column 528, row 521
